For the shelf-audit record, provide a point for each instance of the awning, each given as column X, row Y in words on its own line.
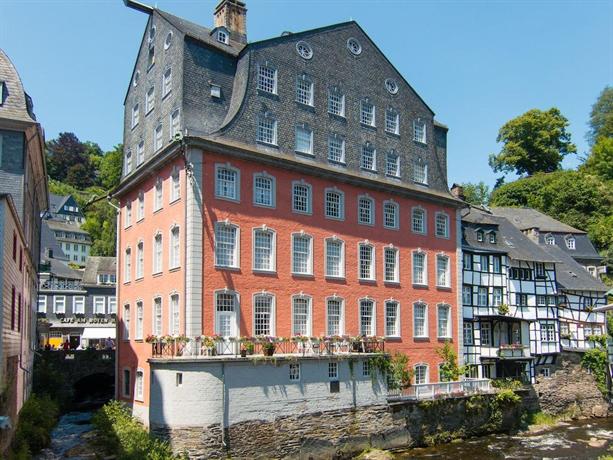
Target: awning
column 98, row 333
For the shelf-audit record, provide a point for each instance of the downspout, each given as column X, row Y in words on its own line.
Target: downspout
column 223, row 405
column 117, row 263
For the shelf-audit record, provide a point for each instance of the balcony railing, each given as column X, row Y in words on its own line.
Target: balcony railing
column 443, row 390
column 514, row 351
column 61, row 285
column 206, row 347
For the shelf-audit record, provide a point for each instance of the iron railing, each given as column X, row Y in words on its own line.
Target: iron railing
column 442, row 390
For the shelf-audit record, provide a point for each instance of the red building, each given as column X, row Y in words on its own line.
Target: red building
column 266, row 193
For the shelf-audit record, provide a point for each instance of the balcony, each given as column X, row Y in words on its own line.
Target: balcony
column 442, row 390
column 513, row 351
column 215, row 347
column 61, row 285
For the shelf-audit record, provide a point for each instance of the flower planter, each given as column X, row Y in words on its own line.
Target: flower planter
column 268, row 351
column 243, row 353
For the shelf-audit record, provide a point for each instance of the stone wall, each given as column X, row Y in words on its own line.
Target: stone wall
column 570, row 390
column 343, row 433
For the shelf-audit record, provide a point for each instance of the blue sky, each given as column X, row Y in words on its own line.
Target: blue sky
column 476, row 63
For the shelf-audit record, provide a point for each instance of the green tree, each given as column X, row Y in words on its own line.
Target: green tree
column 449, row 369
column 536, row 141
column 477, row 194
column 110, row 168
column 601, row 117
column 600, row 160
column 68, row 161
column 100, row 223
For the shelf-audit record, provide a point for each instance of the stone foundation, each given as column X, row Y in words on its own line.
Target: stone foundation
column 343, row 433
column 570, row 390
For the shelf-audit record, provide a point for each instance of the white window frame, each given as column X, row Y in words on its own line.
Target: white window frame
column 128, row 162
column 273, row 189
column 270, row 128
column 341, row 274
column 135, row 120
column 149, row 100
column 396, row 171
column 424, row 221
column 140, row 260
column 302, row 183
column 139, row 325
column 333, row 92
column 468, row 336
column 236, row 249
column 158, row 195
column 341, row 319
column 273, row 249
column 125, row 317
column 78, row 305
column 158, row 257
column 392, row 125
column 140, row 153
column 112, row 305
column 157, row 321
column 447, row 334
column 571, row 243
column 371, row 217
column 396, row 251
column 422, row 165
column 139, row 384
column 237, row 182
column 373, row 262
column 341, row 203
column 373, row 325
column 41, row 305
column 333, row 137
column 373, row 167
column 140, row 211
column 309, row 262
column 174, row 123
column 305, row 94
column 128, row 215
column 426, row 373
column 447, row 273
column 175, row 185
column 425, row 326
column 174, row 314
column 419, row 131
column 424, row 272
column 446, row 221
column 485, row 330
column 305, row 130
column 309, row 319
column 166, row 82
column 396, row 319
column 272, row 313
column 266, row 86
column 127, row 265
column 396, row 207
column 365, row 104
column 174, row 247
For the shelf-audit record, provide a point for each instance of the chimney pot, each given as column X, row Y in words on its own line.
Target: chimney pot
column 232, row 14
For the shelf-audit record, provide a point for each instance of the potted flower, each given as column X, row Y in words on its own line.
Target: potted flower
column 268, row 345
column 151, row 338
column 503, row 309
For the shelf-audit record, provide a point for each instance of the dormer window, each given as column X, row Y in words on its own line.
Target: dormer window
column 479, row 236
column 570, row 243
column 550, row 240
column 492, row 237
column 222, row 37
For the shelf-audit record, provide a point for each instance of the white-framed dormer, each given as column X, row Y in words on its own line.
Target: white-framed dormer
column 264, row 249
column 264, row 314
column 571, row 242
column 334, row 257
column 221, row 35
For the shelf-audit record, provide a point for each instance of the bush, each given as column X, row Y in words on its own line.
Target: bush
column 507, row 383
column 506, row 397
column 595, row 361
column 126, row 437
column 37, row 418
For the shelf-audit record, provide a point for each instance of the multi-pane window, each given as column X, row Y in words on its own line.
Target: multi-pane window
column 127, row 265
column 392, row 164
column 304, row 91
column 294, row 372
column 262, row 314
column 421, row 374
column 167, row 82
column 226, row 245
column 157, row 316
column 174, row 316
column 550, row 240
column 467, row 261
column 140, row 211
column 227, row 183
column 150, row 100
column 497, row 264
column 366, row 210
column 468, row 333
column 467, row 294
column 548, row 332
column 140, row 260
column 480, row 235
column 333, row 370
column 139, row 385
column 367, row 113
column 128, row 216
column 138, row 333
column 570, row 243
column 336, row 102
column 158, row 194
column 482, row 295
column 301, row 315
column 267, row 79
column 392, row 318
column 175, row 247
column 497, row 296
column 367, row 261
column 419, row 131
column 492, row 237
column 264, row 190
column 390, row 214
column 301, row 198
column 304, row 139
column 135, row 115
column 486, row 334
column 484, row 264
column 140, row 153
column 420, row 320
column 263, row 250
column 128, row 162
column 334, row 204
column 442, row 225
column 335, row 316
column 369, row 157
column 78, row 304
column 442, row 271
column 42, row 304
column 419, row 268
column 539, row 270
column 302, row 262
column 420, row 171
column 335, row 266
column 126, row 322
column 175, row 123
column 444, row 321
column 366, row 368
column 392, row 121
column 267, row 129
column 158, row 250
column 367, row 317
column 175, row 186
column 336, row 148
column 521, row 300
column 418, row 220
column 390, row 256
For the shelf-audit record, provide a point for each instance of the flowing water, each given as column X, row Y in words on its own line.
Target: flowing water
column 588, row 439
column 67, row 435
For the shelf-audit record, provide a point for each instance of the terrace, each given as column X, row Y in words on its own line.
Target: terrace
column 442, row 390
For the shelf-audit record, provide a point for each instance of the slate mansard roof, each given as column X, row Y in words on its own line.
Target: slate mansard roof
column 16, row 104
column 571, row 275
column 98, row 265
column 199, row 61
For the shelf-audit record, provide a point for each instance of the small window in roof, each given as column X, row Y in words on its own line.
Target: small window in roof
column 479, row 235
column 304, row 49
column 354, row 46
column 152, row 33
column 136, row 78
column 391, row 85
column 222, row 37
column 492, row 237
column 168, row 40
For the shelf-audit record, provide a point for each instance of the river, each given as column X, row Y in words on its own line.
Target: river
column 70, row 433
column 571, row 441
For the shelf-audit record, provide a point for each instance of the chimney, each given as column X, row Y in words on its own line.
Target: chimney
column 458, row 192
column 232, row 14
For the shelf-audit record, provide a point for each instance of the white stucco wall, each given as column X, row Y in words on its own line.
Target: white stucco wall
column 254, row 392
